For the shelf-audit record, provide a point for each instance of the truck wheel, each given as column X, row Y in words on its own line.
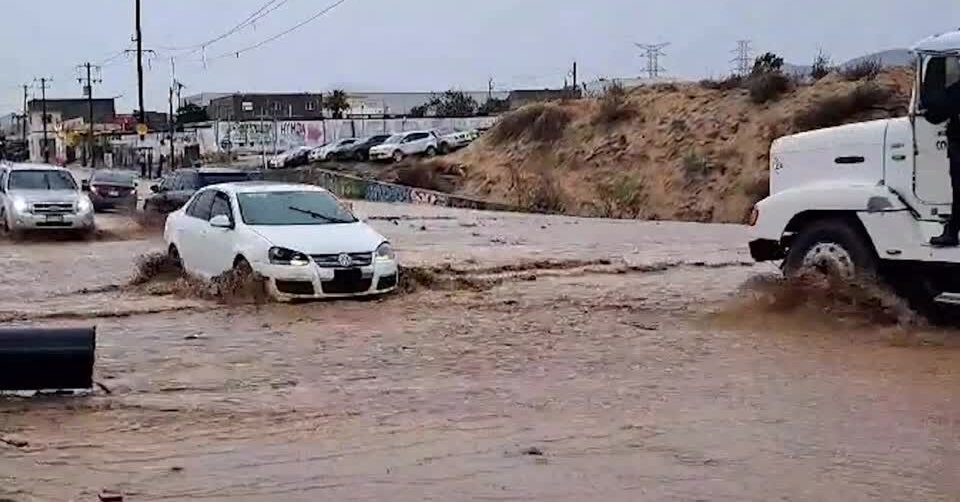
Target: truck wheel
column 833, row 247
column 431, row 151
column 397, row 156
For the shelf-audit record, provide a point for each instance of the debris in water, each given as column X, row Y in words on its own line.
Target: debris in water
column 14, row 441
column 533, row 450
column 110, row 496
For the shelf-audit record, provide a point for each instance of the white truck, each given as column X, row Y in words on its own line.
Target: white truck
column 867, row 198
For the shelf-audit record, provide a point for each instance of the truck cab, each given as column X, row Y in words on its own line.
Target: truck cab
column 867, row 198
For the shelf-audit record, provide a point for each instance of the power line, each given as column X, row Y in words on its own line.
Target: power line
column 653, row 53
column 260, row 13
column 743, row 57
column 284, row 33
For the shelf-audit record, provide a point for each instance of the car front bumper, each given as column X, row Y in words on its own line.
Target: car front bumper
column 380, row 155
column 286, row 283
column 31, row 221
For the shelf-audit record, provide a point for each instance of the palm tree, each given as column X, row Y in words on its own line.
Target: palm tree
column 337, row 103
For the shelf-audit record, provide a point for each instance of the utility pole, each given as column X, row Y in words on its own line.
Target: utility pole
column 574, row 75
column 653, row 53
column 45, row 151
column 742, row 60
column 139, row 35
column 88, row 91
column 26, row 111
column 490, row 89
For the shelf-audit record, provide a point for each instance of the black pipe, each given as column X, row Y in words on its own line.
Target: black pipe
column 47, row 359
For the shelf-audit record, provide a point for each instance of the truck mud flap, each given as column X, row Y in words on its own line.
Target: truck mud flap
column 36, row 359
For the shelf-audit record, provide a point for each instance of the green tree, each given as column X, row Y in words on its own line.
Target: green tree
column 767, row 63
column 822, row 66
column 494, row 106
column 337, row 103
column 455, row 104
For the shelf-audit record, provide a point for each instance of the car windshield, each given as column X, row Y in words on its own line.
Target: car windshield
column 392, row 140
column 115, row 177
column 292, row 208
column 41, row 180
column 207, row 179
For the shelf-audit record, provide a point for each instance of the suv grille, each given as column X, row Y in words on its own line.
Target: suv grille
column 53, row 208
column 333, row 260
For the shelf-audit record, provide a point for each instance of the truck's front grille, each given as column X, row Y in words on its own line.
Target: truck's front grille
column 53, row 208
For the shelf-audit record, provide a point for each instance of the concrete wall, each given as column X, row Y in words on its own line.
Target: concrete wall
column 352, row 187
column 279, row 136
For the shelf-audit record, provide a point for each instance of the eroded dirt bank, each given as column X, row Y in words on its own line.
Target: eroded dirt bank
column 531, row 357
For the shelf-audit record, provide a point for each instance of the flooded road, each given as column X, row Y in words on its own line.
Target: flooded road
column 536, row 357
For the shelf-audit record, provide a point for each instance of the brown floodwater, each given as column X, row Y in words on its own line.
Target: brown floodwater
column 527, row 357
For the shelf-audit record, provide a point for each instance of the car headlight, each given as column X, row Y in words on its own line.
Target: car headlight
column 84, row 205
column 20, row 205
column 386, row 252
column 284, row 256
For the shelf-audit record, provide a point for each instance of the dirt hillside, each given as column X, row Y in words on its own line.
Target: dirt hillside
column 696, row 152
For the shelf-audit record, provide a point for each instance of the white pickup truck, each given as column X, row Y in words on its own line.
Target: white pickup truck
column 867, row 198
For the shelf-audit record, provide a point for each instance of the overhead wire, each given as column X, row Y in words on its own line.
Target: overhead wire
column 260, row 13
column 321, row 13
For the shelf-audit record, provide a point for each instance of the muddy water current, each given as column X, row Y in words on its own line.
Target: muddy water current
column 527, row 357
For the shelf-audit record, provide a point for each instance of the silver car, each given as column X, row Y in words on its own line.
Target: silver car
column 42, row 197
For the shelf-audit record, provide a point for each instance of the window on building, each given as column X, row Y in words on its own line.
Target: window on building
column 277, row 106
column 311, row 106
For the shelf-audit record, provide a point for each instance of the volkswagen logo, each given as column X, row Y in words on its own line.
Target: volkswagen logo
column 344, row 260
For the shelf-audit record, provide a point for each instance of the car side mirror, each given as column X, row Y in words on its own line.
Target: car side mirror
column 221, row 221
column 155, row 188
column 85, row 185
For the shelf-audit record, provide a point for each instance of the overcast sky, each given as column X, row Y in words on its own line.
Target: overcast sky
column 420, row 45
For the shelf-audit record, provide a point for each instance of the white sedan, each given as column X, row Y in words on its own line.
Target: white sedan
column 302, row 239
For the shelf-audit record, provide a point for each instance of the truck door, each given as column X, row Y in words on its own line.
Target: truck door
column 931, row 166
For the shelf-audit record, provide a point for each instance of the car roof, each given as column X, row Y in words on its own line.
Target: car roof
column 211, row 170
column 21, row 166
column 237, row 187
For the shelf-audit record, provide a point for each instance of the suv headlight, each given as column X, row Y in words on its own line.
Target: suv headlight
column 385, row 252
column 284, row 256
column 20, row 205
column 84, row 205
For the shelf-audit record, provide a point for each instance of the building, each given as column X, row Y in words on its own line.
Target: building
column 203, row 99
column 523, row 97
column 363, row 104
column 67, row 121
column 303, row 106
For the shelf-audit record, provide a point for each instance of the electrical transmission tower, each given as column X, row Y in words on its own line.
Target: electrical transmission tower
column 653, row 53
column 743, row 62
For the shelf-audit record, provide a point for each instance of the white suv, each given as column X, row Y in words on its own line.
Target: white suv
column 42, row 197
column 404, row 144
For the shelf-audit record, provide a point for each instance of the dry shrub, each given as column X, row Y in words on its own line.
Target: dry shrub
column 728, row 84
column 868, row 69
column 535, row 186
column 840, row 109
column 539, row 122
column 765, row 87
column 620, row 197
column 695, row 165
column 614, row 107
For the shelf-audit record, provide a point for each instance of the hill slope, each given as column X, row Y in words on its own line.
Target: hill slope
column 679, row 152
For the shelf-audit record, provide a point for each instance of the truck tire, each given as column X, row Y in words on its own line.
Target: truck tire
column 833, row 246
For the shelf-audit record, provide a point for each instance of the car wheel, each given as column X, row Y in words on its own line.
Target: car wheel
column 444, row 148
column 833, row 247
column 242, row 267
column 431, row 151
column 173, row 254
column 360, row 157
column 397, row 156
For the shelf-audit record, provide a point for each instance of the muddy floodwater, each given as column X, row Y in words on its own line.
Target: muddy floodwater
column 534, row 358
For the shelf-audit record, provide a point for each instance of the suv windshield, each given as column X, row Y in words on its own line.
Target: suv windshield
column 41, row 180
column 292, row 208
column 207, row 179
column 392, row 140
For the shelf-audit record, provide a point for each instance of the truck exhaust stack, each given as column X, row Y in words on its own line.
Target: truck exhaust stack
column 35, row 359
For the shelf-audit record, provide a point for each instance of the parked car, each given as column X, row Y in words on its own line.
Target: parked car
column 405, row 144
column 42, row 197
column 332, row 150
column 360, row 151
column 296, row 157
column 302, row 239
column 112, row 189
column 456, row 141
column 177, row 188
